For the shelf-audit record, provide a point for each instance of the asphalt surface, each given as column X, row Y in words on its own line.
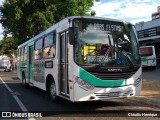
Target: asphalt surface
column 150, row 93
column 36, row 100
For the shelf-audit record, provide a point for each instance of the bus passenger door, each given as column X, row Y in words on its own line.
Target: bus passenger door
column 31, row 63
column 64, row 87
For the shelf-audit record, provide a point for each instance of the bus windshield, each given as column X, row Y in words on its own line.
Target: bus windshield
column 106, row 43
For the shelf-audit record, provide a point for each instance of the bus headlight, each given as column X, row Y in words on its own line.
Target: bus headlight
column 137, row 82
column 84, row 83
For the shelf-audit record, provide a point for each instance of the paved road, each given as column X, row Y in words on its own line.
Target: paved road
column 36, row 100
column 149, row 74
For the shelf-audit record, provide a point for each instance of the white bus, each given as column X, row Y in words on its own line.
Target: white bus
column 148, row 56
column 83, row 59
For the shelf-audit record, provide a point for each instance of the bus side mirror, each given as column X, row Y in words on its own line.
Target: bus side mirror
column 73, row 33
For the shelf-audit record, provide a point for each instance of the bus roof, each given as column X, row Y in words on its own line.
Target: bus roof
column 62, row 22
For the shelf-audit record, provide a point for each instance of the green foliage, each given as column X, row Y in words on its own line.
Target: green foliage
column 8, row 46
column 93, row 13
column 24, row 19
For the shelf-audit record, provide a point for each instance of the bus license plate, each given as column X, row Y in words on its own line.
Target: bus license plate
column 114, row 94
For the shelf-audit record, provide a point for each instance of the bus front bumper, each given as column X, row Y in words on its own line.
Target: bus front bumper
column 82, row 94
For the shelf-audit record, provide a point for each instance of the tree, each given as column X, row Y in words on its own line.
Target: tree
column 23, row 19
column 93, row 13
column 8, row 46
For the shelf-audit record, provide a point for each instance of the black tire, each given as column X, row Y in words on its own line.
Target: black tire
column 24, row 81
column 154, row 67
column 52, row 91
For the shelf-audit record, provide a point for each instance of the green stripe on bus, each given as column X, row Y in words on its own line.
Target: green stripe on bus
column 98, row 82
column 143, row 59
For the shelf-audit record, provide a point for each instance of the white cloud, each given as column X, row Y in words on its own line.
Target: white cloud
column 127, row 10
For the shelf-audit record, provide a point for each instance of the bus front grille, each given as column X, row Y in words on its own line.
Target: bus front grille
column 113, row 76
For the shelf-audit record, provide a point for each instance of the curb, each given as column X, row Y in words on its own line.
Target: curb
column 149, row 101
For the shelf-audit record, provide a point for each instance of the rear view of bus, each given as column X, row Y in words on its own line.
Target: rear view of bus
column 148, row 56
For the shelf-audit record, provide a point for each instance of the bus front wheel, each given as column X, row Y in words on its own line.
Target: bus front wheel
column 52, row 91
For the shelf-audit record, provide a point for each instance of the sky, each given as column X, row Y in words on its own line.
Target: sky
column 127, row 10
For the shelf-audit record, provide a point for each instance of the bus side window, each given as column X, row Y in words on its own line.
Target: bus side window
column 25, row 53
column 21, row 54
column 38, row 48
column 49, row 46
column 18, row 54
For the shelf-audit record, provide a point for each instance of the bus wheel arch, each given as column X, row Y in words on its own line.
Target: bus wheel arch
column 51, row 87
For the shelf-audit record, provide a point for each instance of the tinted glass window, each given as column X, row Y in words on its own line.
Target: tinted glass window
column 48, row 40
column 38, row 44
column 25, row 49
column 25, row 53
column 49, row 46
column 38, row 54
column 21, row 54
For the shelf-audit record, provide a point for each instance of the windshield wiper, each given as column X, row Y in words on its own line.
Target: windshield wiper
column 128, row 59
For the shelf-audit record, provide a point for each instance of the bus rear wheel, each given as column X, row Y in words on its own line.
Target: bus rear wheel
column 52, row 91
column 24, row 81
